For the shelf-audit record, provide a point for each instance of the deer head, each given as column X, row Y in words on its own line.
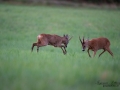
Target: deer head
column 84, row 43
column 67, row 39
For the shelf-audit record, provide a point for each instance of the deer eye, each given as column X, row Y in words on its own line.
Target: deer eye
column 83, row 45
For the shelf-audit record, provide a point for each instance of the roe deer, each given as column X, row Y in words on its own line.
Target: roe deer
column 96, row 44
column 54, row 40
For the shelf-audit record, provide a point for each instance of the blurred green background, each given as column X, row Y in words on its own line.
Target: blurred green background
column 50, row 69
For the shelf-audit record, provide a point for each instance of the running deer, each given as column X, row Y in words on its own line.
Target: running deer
column 54, row 40
column 96, row 44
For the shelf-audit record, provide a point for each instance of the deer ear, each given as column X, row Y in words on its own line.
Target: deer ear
column 67, row 35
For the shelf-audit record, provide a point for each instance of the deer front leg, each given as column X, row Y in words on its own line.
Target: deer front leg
column 63, row 51
column 88, row 52
column 61, row 46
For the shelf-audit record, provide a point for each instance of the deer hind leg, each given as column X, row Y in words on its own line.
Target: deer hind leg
column 102, row 52
column 108, row 49
column 34, row 44
column 41, row 45
column 37, row 48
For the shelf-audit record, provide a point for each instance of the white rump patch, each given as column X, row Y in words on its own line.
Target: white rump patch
column 39, row 36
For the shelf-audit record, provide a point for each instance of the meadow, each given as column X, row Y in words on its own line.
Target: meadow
column 50, row 69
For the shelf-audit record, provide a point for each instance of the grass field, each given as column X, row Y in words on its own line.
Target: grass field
column 50, row 69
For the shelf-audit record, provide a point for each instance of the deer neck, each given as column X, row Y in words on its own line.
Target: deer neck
column 87, row 43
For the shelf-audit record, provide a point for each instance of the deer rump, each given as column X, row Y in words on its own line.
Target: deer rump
column 53, row 40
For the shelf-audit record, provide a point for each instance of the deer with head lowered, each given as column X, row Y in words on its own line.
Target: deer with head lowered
column 96, row 44
column 54, row 40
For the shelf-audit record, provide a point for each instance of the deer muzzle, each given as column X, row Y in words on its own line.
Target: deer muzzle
column 83, row 50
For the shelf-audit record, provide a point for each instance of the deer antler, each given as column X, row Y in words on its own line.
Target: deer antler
column 83, row 39
column 70, row 38
column 80, row 40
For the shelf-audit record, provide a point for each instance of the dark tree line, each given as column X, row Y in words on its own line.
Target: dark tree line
column 96, row 1
column 69, row 1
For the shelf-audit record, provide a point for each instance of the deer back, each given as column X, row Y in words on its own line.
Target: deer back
column 98, row 43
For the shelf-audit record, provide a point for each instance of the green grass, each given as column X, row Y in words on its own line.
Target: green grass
column 50, row 69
